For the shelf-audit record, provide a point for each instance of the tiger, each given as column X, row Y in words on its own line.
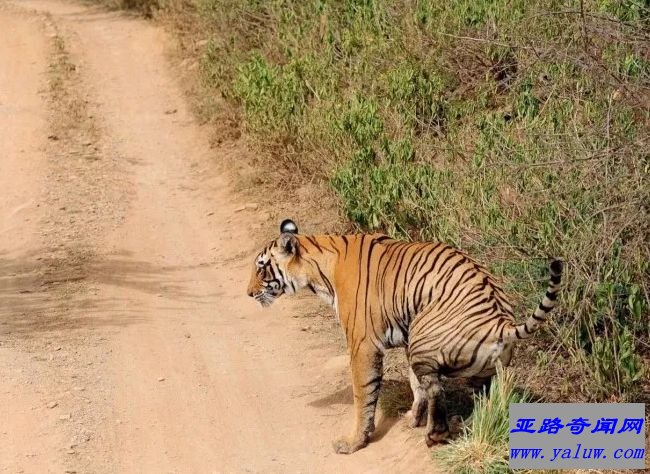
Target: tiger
column 451, row 315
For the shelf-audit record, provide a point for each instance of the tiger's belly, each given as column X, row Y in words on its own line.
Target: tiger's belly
column 394, row 337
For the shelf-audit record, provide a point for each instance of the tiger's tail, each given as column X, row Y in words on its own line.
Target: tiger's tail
column 525, row 330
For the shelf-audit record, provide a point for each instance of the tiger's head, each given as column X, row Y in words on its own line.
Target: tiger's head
column 275, row 267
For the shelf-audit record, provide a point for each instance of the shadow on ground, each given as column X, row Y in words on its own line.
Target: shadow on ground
column 395, row 400
column 62, row 290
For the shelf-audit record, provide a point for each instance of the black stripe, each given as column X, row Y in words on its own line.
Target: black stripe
column 417, row 298
column 419, row 289
column 334, row 245
column 413, row 266
column 556, row 267
column 369, row 257
column 452, row 253
column 356, row 304
column 466, row 324
column 370, row 402
column 373, row 381
column 555, row 279
column 449, row 271
column 537, row 318
column 551, row 296
column 328, row 284
column 423, row 279
column 379, row 283
column 313, row 242
column 471, row 311
column 478, row 347
column 400, row 295
column 546, row 309
column 379, row 286
column 406, row 288
column 399, row 262
column 368, row 313
column 453, row 297
column 443, row 291
column 374, row 390
column 430, row 297
column 382, row 268
column 405, row 335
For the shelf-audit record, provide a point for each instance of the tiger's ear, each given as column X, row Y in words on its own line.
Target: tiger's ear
column 288, row 226
column 288, row 243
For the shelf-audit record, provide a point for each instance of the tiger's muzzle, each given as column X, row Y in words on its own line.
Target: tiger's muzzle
column 269, row 292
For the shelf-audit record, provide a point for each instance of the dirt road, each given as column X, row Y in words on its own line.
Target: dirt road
column 127, row 342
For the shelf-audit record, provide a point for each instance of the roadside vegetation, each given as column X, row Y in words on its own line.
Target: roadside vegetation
column 480, row 447
column 516, row 130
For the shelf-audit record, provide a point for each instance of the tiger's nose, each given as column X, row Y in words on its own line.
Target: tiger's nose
column 250, row 293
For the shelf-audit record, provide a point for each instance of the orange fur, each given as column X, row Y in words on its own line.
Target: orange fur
column 449, row 313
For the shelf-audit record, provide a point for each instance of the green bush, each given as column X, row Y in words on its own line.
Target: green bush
column 274, row 97
column 482, row 447
column 516, row 130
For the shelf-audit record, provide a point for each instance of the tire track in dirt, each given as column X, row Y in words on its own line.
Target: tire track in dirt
column 62, row 185
column 23, row 123
column 186, row 373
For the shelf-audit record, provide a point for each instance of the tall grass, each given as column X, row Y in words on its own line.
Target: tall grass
column 514, row 129
column 482, row 447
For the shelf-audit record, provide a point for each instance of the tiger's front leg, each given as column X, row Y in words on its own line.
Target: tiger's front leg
column 367, row 368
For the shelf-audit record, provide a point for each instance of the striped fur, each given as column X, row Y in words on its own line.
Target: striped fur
column 449, row 313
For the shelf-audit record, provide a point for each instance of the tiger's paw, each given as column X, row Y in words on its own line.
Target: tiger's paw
column 438, row 435
column 345, row 446
column 414, row 418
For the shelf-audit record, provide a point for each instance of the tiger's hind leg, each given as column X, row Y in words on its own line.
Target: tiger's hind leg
column 426, row 361
column 481, row 384
column 416, row 414
column 437, row 428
